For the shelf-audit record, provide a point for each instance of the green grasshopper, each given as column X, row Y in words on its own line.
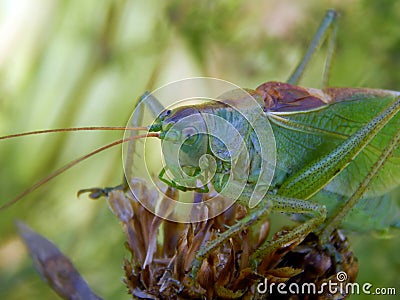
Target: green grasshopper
column 336, row 147
column 331, row 147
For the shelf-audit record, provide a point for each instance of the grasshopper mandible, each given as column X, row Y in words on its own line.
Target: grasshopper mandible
column 323, row 138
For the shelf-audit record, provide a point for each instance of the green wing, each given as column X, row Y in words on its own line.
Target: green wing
column 370, row 214
column 303, row 136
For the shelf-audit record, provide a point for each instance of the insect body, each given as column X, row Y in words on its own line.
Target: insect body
column 307, row 123
column 323, row 146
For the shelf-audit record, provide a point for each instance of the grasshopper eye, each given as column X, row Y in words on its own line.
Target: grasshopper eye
column 190, row 135
column 164, row 114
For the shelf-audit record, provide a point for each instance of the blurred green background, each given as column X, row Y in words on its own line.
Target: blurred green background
column 80, row 63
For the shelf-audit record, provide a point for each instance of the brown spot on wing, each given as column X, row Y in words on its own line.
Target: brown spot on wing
column 284, row 97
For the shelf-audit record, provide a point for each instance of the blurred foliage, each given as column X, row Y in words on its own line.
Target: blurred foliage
column 75, row 63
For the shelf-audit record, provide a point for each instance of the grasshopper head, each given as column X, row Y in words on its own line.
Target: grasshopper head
column 185, row 146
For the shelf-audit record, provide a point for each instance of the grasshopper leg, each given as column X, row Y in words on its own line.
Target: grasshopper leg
column 335, row 220
column 155, row 107
column 269, row 203
column 258, row 214
column 328, row 25
column 291, row 205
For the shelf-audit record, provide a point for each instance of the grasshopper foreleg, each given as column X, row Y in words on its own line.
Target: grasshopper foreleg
column 150, row 102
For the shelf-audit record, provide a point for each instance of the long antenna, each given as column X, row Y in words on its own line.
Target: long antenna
column 91, row 128
column 70, row 165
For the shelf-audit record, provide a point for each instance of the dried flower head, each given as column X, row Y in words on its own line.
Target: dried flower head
column 162, row 253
